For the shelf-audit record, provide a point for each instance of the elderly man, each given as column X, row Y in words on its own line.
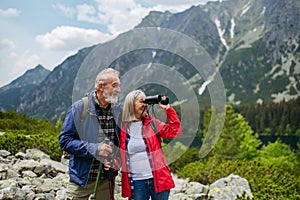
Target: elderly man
column 84, row 139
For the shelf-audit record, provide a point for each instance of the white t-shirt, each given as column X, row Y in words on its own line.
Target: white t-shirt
column 138, row 160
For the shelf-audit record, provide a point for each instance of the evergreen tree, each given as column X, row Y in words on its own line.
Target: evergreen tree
column 237, row 140
column 278, row 153
column 281, row 118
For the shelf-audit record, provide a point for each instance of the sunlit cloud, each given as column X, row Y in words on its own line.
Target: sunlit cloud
column 23, row 61
column 67, row 11
column 176, row 3
column 7, row 44
column 86, row 13
column 173, row 2
column 120, row 16
column 105, row 18
column 10, row 12
column 71, row 38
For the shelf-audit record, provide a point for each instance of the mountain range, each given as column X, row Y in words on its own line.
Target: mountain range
column 254, row 43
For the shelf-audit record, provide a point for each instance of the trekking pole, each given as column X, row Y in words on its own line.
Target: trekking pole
column 111, row 183
column 93, row 195
column 111, row 175
column 110, row 172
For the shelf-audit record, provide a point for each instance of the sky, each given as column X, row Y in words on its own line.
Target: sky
column 47, row 32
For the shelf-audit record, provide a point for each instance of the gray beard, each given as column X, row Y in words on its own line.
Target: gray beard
column 110, row 99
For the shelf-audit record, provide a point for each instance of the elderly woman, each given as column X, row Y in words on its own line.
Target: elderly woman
column 145, row 171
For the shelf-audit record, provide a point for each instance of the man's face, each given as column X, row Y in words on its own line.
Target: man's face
column 111, row 89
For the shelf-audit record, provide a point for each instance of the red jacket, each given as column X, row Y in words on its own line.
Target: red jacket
column 160, row 169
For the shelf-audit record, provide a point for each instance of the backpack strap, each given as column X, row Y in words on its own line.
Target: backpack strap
column 84, row 110
column 85, row 100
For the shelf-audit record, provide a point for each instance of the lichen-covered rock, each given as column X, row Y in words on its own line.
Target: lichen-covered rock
column 229, row 188
column 34, row 176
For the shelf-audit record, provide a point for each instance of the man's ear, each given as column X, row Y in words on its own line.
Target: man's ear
column 100, row 85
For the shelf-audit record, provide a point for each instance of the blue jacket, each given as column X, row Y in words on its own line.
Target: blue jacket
column 83, row 147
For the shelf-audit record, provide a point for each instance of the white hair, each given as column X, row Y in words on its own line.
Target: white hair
column 128, row 108
column 104, row 75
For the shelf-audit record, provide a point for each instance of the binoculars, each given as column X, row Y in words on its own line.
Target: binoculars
column 156, row 99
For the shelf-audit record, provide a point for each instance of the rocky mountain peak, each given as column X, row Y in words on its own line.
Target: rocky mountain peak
column 31, row 77
column 255, row 45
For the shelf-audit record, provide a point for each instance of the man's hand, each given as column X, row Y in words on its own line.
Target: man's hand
column 105, row 150
column 107, row 165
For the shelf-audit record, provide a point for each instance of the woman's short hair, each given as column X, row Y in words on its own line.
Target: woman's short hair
column 128, row 107
column 104, row 75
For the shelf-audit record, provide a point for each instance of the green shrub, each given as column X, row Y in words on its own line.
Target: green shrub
column 16, row 141
column 236, row 140
column 266, row 181
column 278, row 153
column 11, row 120
column 190, row 155
column 22, row 132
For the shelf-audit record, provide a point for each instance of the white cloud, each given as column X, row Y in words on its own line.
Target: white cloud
column 24, row 61
column 67, row 11
column 120, row 16
column 113, row 16
column 87, row 13
column 174, row 2
column 83, row 12
column 10, row 12
column 71, row 38
column 171, row 8
column 7, row 44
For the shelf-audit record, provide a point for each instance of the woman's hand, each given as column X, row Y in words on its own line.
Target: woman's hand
column 165, row 107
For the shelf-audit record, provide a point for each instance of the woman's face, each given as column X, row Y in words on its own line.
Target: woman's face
column 140, row 107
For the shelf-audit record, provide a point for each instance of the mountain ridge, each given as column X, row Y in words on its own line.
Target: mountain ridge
column 255, row 45
column 31, row 77
column 11, row 93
